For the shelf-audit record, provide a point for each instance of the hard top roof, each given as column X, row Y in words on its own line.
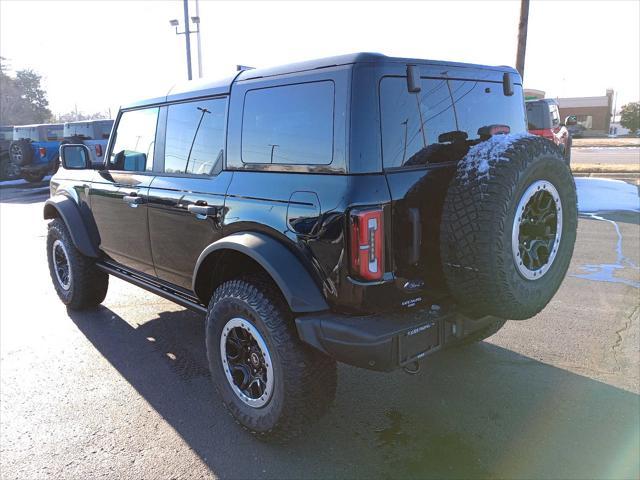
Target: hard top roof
column 92, row 122
column 34, row 125
column 205, row 88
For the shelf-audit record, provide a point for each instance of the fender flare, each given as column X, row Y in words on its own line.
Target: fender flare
column 65, row 208
column 292, row 278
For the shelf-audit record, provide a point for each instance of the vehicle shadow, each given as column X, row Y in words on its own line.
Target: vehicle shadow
column 25, row 194
column 481, row 411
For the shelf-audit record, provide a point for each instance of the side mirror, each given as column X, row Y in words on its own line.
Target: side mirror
column 75, row 157
column 570, row 121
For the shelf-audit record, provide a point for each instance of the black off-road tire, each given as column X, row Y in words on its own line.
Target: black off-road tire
column 54, row 165
column 567, row 151
column 304, row 378
column 33, row 177
column 476, row 230
column 88, row 285
column 21, row 152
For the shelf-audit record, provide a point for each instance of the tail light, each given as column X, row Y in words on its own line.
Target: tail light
column 98, row 150
column 43, row 151
column 367, row 244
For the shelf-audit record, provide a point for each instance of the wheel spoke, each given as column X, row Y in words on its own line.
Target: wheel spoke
column 247, row 362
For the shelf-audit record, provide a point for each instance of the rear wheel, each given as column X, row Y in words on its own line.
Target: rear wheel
column 270, row 381
column 78, row 283
column 508, row 227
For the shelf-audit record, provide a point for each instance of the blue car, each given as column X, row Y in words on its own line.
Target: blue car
column 92, row 133
column 34, row 150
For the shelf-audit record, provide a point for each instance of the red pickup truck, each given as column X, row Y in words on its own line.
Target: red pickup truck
column 543, row 117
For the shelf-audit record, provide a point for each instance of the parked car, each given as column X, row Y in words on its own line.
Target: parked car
column 543, row 117
column 575, row 130
column 34, row 150
column 362, row 208
column 7, row 171
column 92, row 133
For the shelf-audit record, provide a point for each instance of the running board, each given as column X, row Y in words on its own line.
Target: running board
column 161, row 290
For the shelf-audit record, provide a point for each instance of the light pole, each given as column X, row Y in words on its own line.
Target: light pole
column 522, row 36
column 196, row 20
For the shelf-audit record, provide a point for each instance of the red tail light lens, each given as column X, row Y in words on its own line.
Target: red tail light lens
column 367, row 244
column 98, row 150
column 43, row 151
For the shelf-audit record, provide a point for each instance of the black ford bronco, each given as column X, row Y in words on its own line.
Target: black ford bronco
column 362, row 209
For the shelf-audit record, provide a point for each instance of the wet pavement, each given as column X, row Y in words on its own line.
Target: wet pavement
column 124, row 391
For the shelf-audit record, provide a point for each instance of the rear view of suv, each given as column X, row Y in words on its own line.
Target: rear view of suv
column 543, row 117
column 363, row 209
column 92, row 133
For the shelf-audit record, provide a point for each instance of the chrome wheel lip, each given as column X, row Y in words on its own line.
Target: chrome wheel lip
column 262, row 345
column 537, row 186
column 60, row 258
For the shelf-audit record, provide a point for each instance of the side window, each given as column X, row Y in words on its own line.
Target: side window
column 135, row 141
column 555, row 115
column 195, row 137
column 291, row 124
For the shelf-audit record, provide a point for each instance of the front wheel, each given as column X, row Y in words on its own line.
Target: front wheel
column 33, row 177
column 270, row 381
column 78, row 283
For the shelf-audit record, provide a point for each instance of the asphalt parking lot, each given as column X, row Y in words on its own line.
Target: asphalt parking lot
column 124, row 392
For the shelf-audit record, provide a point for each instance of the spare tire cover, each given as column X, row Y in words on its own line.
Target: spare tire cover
column 508, row 226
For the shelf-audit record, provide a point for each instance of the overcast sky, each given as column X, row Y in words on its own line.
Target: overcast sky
column 100, row 54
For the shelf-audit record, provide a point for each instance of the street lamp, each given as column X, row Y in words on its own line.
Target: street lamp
column 196, row 21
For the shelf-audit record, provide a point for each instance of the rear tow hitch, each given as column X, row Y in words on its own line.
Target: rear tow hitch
column 412, row 368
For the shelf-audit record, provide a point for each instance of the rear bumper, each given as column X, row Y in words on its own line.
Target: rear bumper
column 385, row 342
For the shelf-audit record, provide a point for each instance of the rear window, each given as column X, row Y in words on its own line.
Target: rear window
column 6, row 133
column 55, row 133
column 291, row 124
column 537, row 115
column 440, row 122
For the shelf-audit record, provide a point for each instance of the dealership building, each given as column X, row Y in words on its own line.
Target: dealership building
column 593, row 113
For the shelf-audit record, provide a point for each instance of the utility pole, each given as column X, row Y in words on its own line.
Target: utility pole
column 187, row 37
column 198, row 38
column 522, row 36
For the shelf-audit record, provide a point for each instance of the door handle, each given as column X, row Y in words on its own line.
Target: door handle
column 204, row 210
column 132, row 199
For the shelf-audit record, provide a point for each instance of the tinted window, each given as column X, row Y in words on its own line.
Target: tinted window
column 195, row 137
column 54, row 133
column 440, row 122
column 537, row 115
column 135, row 140
column 291, row 124
column 6, row 133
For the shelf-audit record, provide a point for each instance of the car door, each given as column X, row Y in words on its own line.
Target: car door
column 186, row 198
column 119, row 194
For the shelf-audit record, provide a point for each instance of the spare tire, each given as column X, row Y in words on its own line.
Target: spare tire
column 21, row 152
column 508, row 227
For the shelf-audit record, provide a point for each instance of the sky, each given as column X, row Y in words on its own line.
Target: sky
column 96, row 55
